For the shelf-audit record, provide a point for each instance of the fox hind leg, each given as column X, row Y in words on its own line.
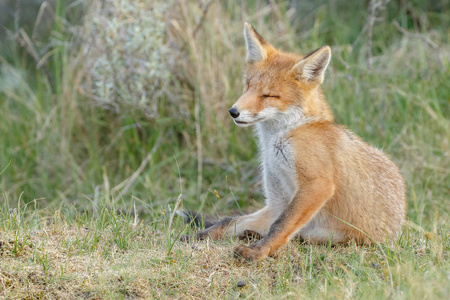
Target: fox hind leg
column 196, row 219
column 254, row 226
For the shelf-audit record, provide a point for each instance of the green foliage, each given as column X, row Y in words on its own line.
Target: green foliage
column 63, row 152
column 63, row 146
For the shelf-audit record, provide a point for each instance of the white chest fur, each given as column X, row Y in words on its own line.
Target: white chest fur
column 278, row 165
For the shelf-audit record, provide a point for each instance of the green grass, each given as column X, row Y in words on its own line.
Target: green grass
column 76, row 255
column 68, row 228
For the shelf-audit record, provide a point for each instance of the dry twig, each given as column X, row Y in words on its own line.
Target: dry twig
column 424, row 38
column 374, row 7
column 202, row 19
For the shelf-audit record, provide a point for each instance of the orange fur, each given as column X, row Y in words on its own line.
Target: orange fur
column 318, row 176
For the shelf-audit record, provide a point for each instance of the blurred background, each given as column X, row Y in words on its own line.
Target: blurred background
column 126, row 102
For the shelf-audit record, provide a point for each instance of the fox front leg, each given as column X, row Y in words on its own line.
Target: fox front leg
column 299, row 211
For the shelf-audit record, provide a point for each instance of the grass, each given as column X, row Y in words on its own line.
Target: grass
column 88, row 193
column 76, row 255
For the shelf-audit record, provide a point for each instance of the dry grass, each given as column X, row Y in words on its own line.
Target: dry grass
column 69, row 257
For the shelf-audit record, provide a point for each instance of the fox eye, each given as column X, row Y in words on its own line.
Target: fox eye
column 271, row 96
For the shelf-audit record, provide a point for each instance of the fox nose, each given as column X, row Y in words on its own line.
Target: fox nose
column 234, row 112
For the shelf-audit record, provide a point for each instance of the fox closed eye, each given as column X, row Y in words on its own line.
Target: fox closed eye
column 271, row 96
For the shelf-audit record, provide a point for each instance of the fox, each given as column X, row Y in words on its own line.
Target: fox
column 322, row 182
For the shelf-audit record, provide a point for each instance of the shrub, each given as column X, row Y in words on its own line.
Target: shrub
column 127, row 55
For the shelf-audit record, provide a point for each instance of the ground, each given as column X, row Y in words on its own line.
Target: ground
column 112, row 256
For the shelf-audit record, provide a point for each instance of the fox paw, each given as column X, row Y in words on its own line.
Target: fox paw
column 250, row 253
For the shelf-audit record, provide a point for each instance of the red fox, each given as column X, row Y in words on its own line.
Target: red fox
column 321, row 181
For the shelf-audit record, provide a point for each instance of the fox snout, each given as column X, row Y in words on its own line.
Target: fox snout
column 242, row 118
column 234, row 112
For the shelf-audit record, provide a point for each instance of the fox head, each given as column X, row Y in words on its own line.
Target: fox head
column 280, row 86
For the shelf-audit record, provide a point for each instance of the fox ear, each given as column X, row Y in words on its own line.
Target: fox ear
column 312, row 67
column 255, row 44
